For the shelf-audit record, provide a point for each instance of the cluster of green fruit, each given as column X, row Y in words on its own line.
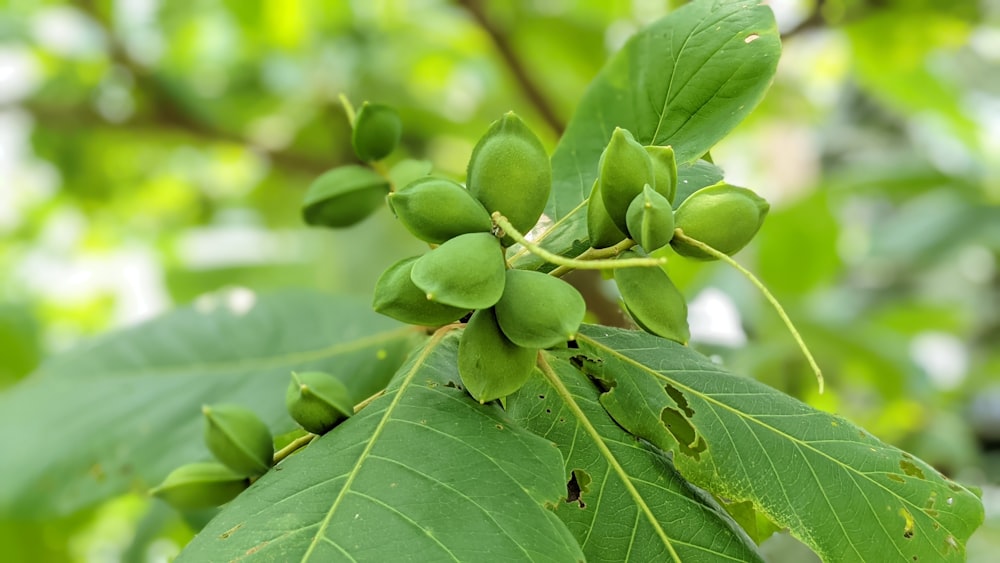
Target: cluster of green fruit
column 515, row 312
column 243, row 446
column 632, row 200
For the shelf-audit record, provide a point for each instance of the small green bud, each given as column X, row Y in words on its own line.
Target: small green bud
column 238, row 439
column 654, row 302
column 318, row 401
column 602, row 230
column 466, row 272
column 437, row 209
column 664, row 171
column 377, row 130
column 398, row 297
column 650, row 220
column 538, row 310
column 200, row 485
column 625, row 167
column 722, row 216
column 509, row 172
column 343, row 196
column 491, row 366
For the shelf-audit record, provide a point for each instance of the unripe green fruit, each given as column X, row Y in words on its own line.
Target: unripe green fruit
column 509, row 172
column 318, row 401
column 602, row 230
column 377, row 130
column 238, row 439
column 344, row 196
column 200, row 485
column 491, row 366
column 625, row 167
column 650, row 220
column 437, row 209
column 398, row 297
column 655, row 303
column 465, row 272
column 664, row 171
column 722, row 216
column 538, row 310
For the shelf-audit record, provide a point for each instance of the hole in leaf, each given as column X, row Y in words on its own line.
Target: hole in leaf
column 681, row 429
column 541, row 397
column 907, row 523
column 573, row 344
column 911, row 469
column 499, row 426
column 678, row 397
column 548, row 411
column 453, row 385
column 578, row 485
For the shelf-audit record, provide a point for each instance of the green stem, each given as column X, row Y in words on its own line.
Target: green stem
column 679, row 235
column 573, row 263
column 293, row 446
column 581, row 417
column 596, row 254
column 348, row 109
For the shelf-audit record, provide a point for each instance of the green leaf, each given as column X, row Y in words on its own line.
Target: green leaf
column 423, row 473
column 686, row 80
column 120, row 413
column 837, row 488
column 624, row 502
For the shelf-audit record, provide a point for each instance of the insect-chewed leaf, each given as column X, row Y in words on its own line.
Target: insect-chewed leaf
column 625, row 167
column 377, row 130
column 438, row 209
column 538, row 310
column 398, row 297
column 200, row 485
column 318, row 401
column 653, row 300
column 601, row 229
column 238, row 438
column 722, row 216
column 650, row 220
column 343, row 196
column 465, row 272
column 509, row 172
column 490, row 364
column 664, row 171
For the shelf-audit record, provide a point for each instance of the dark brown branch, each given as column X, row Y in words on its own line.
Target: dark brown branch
column 527, row 84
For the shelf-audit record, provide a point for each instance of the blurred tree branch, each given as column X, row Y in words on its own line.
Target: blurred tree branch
column 527, row 84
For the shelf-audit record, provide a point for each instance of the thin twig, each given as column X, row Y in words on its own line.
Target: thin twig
column 503, row 44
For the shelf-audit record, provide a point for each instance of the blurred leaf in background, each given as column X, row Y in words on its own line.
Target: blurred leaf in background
column 152, row 151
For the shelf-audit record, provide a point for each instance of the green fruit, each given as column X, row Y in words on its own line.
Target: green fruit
column 377, row 130
column 664, row 171
column 655, row 303
column 200, row 485
column 465, row 272
column 437, row 209
column 509, row 172
column 344, row 196
column 538, row 310
column 625, row 167
column 602, row 230
column 650, row 220
column 238, row 439
column 398, row 297
column 491, row 366
column 722, row 216
column 318, row 401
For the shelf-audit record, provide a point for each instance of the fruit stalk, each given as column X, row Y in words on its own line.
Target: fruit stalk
column 679, row 235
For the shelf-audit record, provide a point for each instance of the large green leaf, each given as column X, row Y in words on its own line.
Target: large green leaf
column 422, row 474
column 839, row 489
column 687, row 80
column 123, row 411
column 625, row 501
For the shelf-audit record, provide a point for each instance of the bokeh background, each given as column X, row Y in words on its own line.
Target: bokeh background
column 152, row 151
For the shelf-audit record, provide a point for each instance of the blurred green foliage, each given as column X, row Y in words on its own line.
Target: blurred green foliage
column 153, row 151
